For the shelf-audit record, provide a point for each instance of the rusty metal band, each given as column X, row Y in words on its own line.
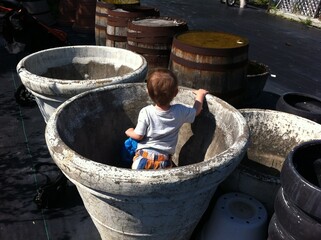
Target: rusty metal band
column 151, row 40
column 116, row 38
column 158, row 30
column 151, row 34
column 101, row 15
column 148, row 50
column 117, row 22
column 134, row 13
column 100, row 27
column 148, row 11
column 220, row 52
column 207, row 66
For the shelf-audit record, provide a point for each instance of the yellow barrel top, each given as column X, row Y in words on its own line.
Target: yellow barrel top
column 215, row 40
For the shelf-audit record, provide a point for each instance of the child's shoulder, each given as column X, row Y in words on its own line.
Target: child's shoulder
column 179, row 106
column 148, row 108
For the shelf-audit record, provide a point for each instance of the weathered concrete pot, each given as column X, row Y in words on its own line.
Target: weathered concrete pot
column 142, row 204
column 56, row 74
column 273, row 135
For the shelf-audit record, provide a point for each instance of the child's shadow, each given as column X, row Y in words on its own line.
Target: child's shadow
column 203, row 128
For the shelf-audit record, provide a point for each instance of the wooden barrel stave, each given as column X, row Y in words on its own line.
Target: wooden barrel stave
column 101, row 22
column 117, row 23
column 222, row 71
column 152, row 37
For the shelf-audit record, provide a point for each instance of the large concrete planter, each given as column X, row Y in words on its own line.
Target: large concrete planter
column 85, row 135
column 56, row 74
column 273, row 135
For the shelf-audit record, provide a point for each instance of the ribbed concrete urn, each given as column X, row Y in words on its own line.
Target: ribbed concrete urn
column 56, row 74
column 273, row 135
column 85, row 135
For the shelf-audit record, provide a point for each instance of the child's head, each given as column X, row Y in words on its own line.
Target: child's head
column 162, row 86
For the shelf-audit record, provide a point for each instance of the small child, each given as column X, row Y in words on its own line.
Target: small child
column 158, row 125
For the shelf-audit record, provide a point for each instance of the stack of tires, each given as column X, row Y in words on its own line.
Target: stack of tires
column 301, row 104
column 228, row 2
column 297, row 206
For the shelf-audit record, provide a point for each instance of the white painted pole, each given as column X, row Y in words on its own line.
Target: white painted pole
column 242, row 3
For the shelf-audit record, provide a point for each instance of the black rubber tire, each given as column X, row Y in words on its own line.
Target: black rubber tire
column 294, row 221
column 275, row 230
column 230, row 2
column 300, row 104
column 299, row 180
column 24, row 97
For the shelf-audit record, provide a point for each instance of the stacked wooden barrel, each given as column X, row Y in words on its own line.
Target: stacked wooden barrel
column 112, row 20
column 141, row 29
column 152, row 37
column 212, row 60
column 118, row 20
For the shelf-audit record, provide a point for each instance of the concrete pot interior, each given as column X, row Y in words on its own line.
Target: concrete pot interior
column 85, row 135
column 94, row 127
column 67, row 71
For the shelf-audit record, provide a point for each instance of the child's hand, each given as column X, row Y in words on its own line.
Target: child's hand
column 200, row 95
column 200, row 92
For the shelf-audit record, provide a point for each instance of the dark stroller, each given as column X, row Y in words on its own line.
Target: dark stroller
column 24, row 33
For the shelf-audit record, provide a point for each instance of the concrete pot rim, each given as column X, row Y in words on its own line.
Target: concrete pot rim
column 265, row 73
column 62, row 87
column 71, row 161
column 275, row 112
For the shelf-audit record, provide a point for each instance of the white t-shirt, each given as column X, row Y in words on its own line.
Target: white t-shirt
column 161, row 128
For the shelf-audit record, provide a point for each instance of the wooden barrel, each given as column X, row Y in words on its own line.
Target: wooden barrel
column 40, row 10
column 152, row 37
column 67, row 12
column 117, row 23
column 101, row 22
column 211, row 60
column 85, row 16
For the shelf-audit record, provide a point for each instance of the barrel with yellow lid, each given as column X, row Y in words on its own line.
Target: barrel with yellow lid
column 215, row 61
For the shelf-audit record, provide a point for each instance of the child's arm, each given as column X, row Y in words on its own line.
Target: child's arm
column 200, row 94
column 130, row 133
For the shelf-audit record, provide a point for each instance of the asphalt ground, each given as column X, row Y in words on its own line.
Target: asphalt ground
column 291, row 49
